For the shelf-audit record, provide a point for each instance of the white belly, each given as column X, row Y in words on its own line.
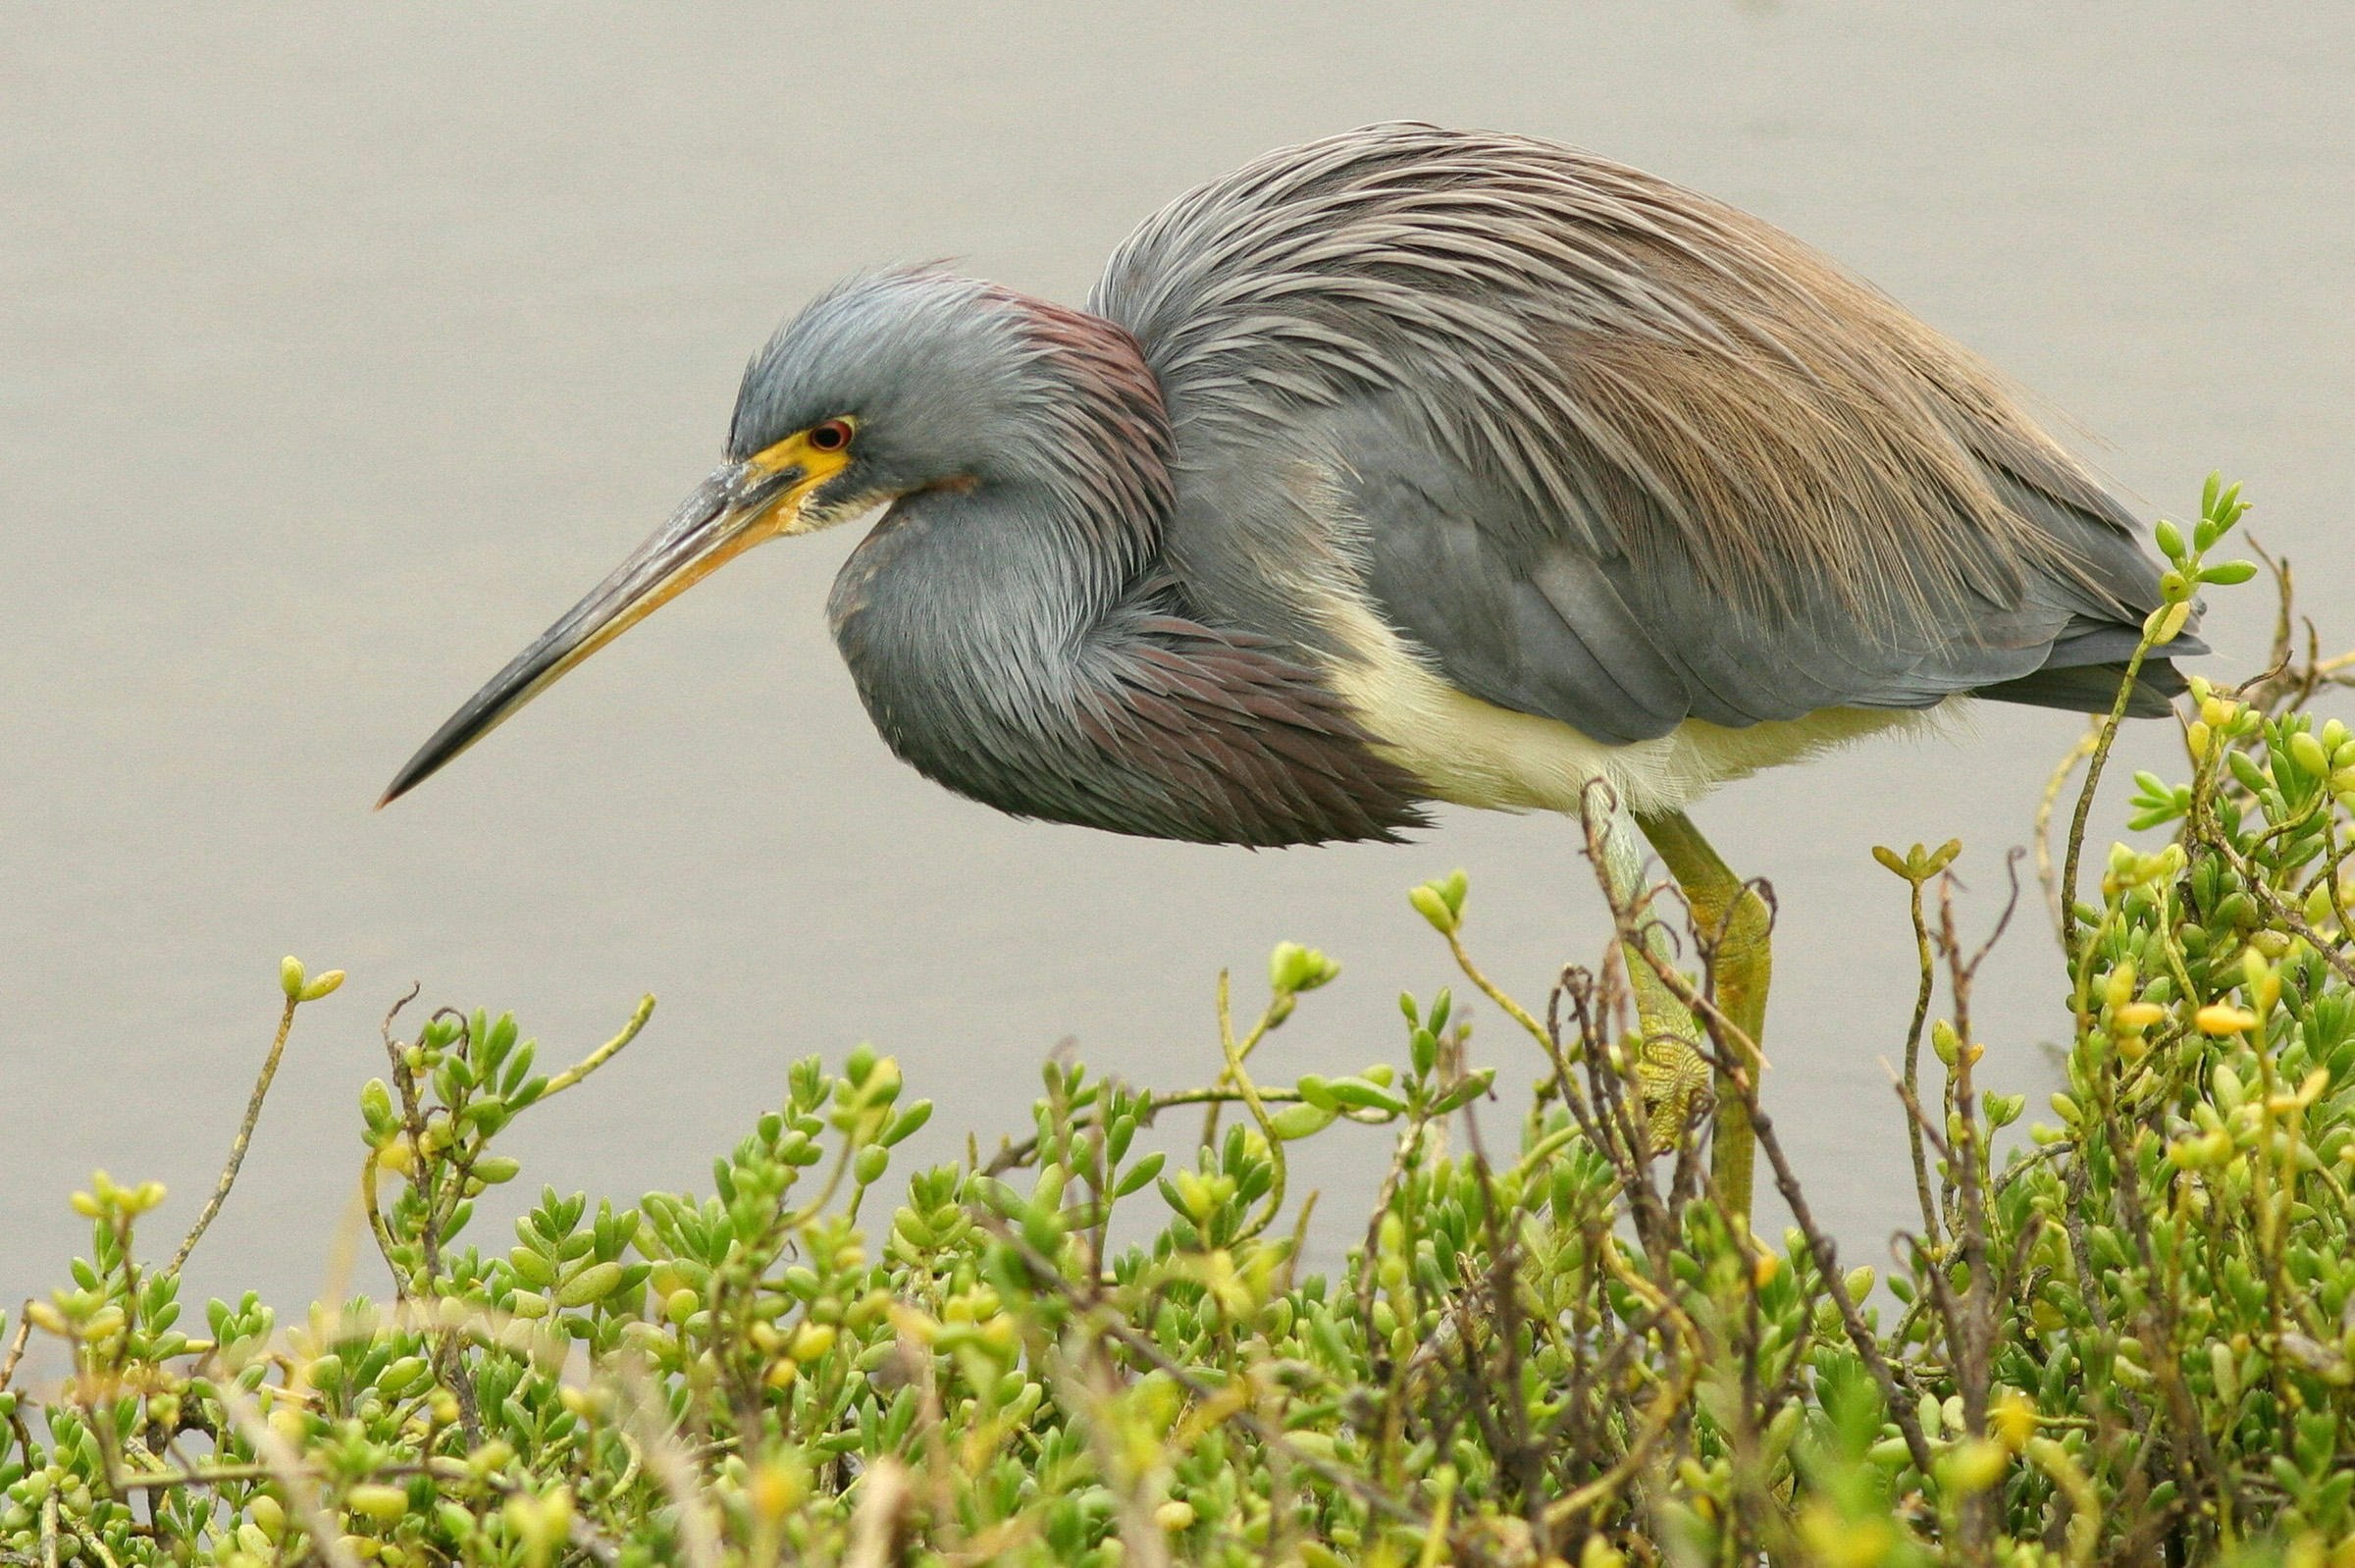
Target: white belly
column 1473, row 753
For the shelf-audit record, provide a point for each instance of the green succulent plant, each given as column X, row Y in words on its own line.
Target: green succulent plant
column 2130, row 1339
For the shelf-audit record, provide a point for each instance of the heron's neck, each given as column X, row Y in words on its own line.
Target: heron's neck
column 1008, row 647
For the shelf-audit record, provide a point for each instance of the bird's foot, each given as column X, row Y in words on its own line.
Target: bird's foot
column 1673, row 1078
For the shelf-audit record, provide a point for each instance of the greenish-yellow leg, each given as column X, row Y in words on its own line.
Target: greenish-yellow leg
column 1669, row 1068
column 1733, row 921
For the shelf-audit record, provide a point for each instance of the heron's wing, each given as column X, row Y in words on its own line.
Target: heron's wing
column 1529, row 617
column 1608, row 450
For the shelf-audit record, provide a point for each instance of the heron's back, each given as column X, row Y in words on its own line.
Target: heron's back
column 1605, row 450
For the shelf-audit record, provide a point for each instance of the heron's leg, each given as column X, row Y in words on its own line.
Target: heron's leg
column 1669, row 1068
column 1733, row 921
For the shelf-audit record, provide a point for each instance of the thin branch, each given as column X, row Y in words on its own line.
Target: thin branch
column 2048, row 876
column 2094, row 761
column 15, row 1346
column 603, row 1053
column 245, row 1138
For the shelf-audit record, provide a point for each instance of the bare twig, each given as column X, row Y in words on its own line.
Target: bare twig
column 2048, row 876
column 1674, row 1395
column 1852, row 1319
column 1913, row 1077
column 15, row 1346
column 245, row 1138
column 2094, row 760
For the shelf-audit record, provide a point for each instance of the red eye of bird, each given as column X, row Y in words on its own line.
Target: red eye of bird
column 832, row 437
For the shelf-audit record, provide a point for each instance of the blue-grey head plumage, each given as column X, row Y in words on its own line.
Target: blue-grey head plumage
column 956, row 382
column 936, row 368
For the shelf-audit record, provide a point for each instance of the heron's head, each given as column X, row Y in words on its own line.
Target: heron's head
column 892, row 384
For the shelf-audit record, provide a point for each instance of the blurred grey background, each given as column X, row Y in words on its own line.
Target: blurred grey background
column 341, row 349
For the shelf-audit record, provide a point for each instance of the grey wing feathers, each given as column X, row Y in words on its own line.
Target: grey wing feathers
column 1626, row 654
column 1540, row 636
column 1610, row 451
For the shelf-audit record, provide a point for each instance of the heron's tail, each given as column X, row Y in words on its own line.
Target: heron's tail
column 2093, row 688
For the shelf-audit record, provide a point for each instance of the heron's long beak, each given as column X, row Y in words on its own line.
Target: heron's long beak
column 741, row 505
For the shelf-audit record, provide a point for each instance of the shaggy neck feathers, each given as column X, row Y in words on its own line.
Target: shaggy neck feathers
column 1017, row 641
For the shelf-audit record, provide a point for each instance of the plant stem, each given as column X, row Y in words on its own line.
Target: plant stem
column 245, row 1138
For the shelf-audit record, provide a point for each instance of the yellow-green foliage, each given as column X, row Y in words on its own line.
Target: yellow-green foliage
column 2133, row 1341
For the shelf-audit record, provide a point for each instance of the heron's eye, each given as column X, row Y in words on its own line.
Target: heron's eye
column 832, row 437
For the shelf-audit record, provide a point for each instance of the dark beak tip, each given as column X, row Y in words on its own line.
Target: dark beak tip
column 411, row 775
column 709, row 519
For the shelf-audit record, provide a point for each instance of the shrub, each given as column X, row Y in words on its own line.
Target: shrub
column 2131, row 1340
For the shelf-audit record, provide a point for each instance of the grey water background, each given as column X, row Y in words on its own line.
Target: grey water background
column 341, row 349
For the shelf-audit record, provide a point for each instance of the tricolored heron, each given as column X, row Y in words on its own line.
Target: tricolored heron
column 1407, row 465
